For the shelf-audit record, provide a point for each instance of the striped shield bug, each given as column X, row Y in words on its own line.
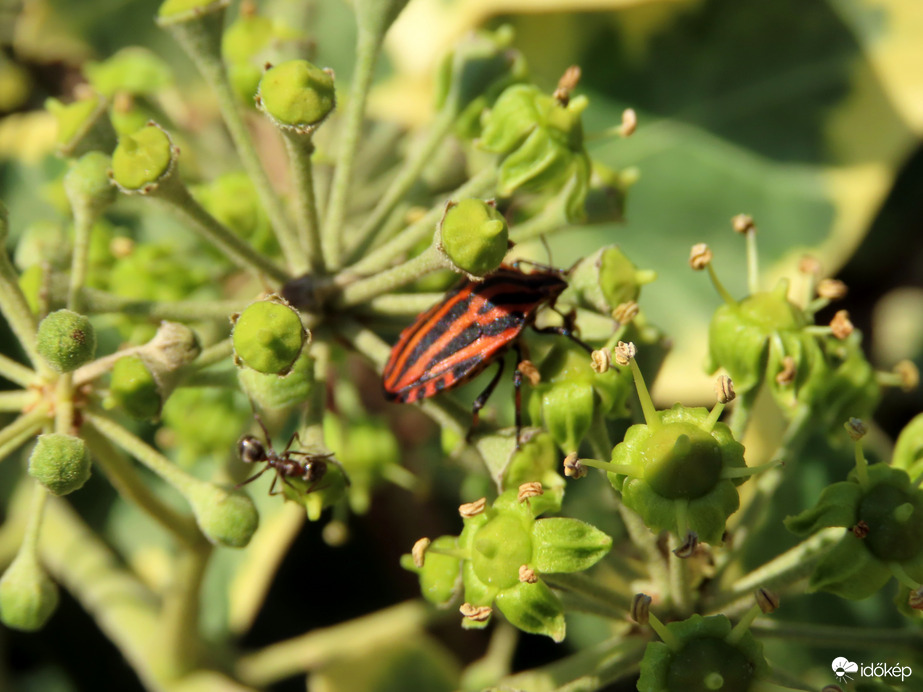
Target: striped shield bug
column 472, row 327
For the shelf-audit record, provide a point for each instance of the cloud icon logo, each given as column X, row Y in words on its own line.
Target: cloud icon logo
column 841, row 666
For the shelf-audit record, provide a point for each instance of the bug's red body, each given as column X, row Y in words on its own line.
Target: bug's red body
column 459, row 337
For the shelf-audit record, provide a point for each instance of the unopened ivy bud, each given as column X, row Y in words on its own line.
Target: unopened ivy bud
column 624, row 353
column 788, row 372
column 601, row 360
column 724, row 389
column 475, row 613
column 629, row 122
column 742, row 223
column 527, row 574
column 832, row 289
column 60, row 462
column 474, row 236
column 226, row 518
column 66, row 340
column 625, row 312
column 28, row 597
column 572, row 466
column 641, row 608
column 143, row 160
column 268, row 336
column 419, row 551
column 840, row 325
column 271, row 391
column 297, row 94
column 133, row 389
column 856, row 429
column 87, row 183
column 700, row 256
column 767, row 600
column 472, row 509
column 531, row 489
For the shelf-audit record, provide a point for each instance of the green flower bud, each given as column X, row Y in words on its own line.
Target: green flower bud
column 471, row 77
column 134, row 69
column 271, row 391
column 535, row 460
column 66, row 340
column 245, row 41
column 533, row 607
column 701, row 656
column 607, row 279
column 82, row 125
column 268, row 336
column 231, row 198
column 226, row 518
column 87, row 183
column 884, row 511
column 500, row 546
column 440, row 573
column 570, row 393
column 143, row 159
column 206, row 422
column 297, row 94
column 133, row 389
column 60, row 462
column 27, row 596
column 474, row 236
column 675, row 473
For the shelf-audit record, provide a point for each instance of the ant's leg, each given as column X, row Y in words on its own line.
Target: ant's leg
column 262, row 425
column 252, row 478
column 482, row 399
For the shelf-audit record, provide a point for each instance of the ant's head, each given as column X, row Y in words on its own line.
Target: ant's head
column 250, row 450
column 314, row 470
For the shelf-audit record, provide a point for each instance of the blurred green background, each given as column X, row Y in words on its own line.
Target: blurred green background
column 806, row 114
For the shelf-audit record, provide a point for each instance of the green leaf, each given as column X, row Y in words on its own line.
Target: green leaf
column 567, row 545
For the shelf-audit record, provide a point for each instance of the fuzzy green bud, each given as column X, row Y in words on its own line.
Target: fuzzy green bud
column 142, row 159
column 226, row 518
column 607, row 279
column 268, row 336
column 474, row 236
column 297, row 94
column 66, row 340
column 87, row 183
column 133, row 389
column 134, row 69
column 27, row 596
column 82, row 125
column 60, row 462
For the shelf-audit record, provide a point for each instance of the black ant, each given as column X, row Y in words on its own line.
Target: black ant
column 311, row 469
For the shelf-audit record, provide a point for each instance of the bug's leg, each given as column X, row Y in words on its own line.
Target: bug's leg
column 517, row 391
column 252, row 478
column 567, row 329
column 482, row 399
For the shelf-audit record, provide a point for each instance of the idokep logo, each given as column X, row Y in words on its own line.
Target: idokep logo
column 842, row 667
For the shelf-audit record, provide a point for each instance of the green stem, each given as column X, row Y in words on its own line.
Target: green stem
column 132, row 488
column 859, row 639
column 680, row 583
column 179, row 620
column 30, row 538
column 226, row 379
column 208, row 60
column 85, row 215
column 740, row 413
column 368, row 45
column 97, row 302
column 426, row 262
column 300, row 147
column 401, row 304
column 383, row 256
column 16, row 372
column 780, row 573
column 552, row 218
column 646, row 541
column 753, row 263
column 64, row 404
column 16, row 400
column 325, row 646
column 216, row 353
column 176, row 196
column 100, row 366
column 401, row 184
column 21, row 429
column 608, row 602
column 14, row 307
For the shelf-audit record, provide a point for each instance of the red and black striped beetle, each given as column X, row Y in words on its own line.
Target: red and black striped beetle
column 472, row 327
